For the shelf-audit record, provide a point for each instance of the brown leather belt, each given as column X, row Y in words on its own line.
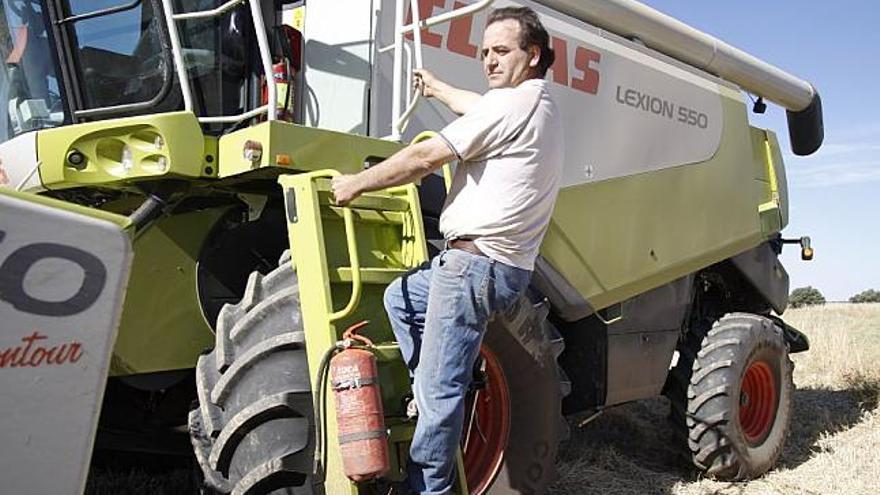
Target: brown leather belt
column 464, row 244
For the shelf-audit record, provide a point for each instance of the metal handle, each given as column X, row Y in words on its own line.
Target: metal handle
column 351, row 242
column 400, row 120
column 612, row 320
column 447, row 169
column 446, row 16
column 400, row 124
column 417, row 33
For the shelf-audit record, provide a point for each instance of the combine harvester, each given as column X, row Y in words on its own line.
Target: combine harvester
column 166, row 169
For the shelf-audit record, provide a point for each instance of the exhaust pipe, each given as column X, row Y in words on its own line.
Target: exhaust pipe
column 676, row 39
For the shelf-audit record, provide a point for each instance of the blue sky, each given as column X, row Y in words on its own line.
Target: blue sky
column 834, row 193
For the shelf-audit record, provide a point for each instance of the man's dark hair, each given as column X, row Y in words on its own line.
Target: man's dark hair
column 531, row 31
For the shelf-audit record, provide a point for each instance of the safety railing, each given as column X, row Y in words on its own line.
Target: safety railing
column 446, row 168
column 309, row 193
column 400, row 118
column 171, row 20
column 384, row 236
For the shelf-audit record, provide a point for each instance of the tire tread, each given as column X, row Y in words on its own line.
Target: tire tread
column 241, row 434
column 704, row 392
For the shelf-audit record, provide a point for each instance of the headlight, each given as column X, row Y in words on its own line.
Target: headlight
column 127, row 159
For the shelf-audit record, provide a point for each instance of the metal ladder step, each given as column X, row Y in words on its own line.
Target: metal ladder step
column 368, row 201
column 368, row 275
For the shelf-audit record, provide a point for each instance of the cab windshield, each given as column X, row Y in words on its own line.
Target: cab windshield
column 119, row 63
column 29, row 84
column 74, row 61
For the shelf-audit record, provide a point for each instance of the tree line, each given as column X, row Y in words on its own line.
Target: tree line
column 811, row 296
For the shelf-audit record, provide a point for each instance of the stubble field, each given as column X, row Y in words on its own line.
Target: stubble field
column 833, row 446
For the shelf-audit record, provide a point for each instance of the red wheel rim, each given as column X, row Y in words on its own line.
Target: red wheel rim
column 487, row 427
column 757, row 402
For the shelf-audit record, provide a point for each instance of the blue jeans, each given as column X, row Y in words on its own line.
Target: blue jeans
column 439, row 313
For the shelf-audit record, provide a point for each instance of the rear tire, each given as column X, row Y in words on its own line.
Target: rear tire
column 253, row 430
column 737, row 407
column 526, row 346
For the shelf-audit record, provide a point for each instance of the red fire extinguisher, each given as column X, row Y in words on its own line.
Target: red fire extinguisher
column 360, row 419
column 284, row 70
column 283, row 74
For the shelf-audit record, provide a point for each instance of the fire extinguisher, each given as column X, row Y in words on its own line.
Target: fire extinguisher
column 284, row 70
column 360, row 419
column 282, row 74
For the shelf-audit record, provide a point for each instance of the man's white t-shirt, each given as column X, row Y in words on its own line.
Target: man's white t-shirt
column 510, row 152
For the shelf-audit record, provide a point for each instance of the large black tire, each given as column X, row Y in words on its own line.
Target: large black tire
column 527, row 347
column 731, row 394
column 253, row 430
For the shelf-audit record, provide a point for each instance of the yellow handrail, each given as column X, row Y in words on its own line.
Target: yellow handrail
column 447, row 169
column 353, row 258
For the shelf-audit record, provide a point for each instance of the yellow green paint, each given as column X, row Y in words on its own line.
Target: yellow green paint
column 168, row 145
column 162, row 326
column 306, row 148
column 618, row 238
column 346, row 257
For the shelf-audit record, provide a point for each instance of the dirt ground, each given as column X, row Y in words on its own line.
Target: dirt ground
column 833, row 446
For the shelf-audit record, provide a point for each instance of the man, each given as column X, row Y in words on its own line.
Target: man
column 508, row 144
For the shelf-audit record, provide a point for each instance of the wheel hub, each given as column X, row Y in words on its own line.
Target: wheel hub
column 487, row 427
column 757, row 402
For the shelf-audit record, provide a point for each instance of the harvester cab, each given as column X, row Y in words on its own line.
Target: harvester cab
column 80, row 61
column 208, row 131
